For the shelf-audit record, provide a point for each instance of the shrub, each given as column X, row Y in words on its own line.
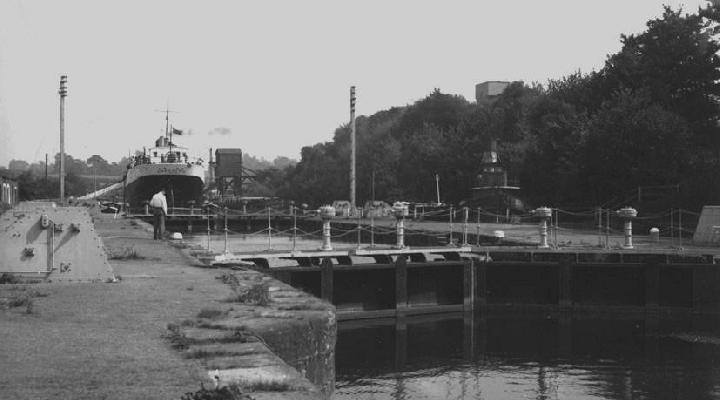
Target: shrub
column 176, row 337
column 221, row 393
column 7, row 278
column 258, row 294
column 124, row 253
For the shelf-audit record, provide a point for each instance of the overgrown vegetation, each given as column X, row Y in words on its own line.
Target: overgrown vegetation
column 208, row 313
column 255, row 293
column 6, row 278
column 19, row 297
column 124, row 253
column 177, row 337
column 267, row 385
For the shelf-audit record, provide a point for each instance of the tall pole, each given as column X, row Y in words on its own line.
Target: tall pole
column 46, row 166
column 352, row 145
column 63, row 93
column 437, row 187
column 680, row 226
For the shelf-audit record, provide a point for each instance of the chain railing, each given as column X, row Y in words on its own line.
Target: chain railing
column 595, row 228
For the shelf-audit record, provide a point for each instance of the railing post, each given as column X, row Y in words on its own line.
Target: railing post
column 372, row 226
column 294, row 237
column 477, row 238
column 466, row 212
column 226, row 229
column 208, row 227
column 452, row 212
column 269, row 228
column 190, row 227
column 359, row 227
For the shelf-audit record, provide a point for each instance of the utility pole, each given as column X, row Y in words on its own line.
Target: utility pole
column 437, row 187
column 46, row 166
column 63, row 93
column 352, row 145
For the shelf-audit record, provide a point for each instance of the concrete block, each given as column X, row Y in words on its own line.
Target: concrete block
column 708, row 227
column 67, row 249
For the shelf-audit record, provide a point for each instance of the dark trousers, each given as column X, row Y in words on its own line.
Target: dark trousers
column 158, row 223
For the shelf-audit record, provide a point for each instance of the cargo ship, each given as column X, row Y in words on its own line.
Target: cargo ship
column 166, row 165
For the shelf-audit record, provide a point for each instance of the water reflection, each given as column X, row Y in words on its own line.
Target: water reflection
column 513, row 356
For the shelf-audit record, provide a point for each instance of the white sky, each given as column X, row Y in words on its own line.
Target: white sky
column 276, row 73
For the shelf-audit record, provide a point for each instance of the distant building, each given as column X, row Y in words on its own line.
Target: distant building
column 489, row 89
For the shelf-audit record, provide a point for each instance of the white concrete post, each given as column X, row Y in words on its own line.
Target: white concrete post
column 627, row 214
column 544, row 213
column 326, row 213
column 400, row 211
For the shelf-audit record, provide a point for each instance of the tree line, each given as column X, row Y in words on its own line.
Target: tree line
column 647, row 119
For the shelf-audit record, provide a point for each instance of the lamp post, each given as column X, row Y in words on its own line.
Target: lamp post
column 62, row 92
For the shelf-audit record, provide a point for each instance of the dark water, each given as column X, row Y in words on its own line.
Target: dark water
column 521, row 356
column 512, row 355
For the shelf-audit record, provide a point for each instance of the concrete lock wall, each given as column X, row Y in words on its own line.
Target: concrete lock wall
column 708, row 228
column 66, row 249
column 630, row 282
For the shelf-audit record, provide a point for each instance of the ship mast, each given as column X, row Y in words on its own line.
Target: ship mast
column 168, row 132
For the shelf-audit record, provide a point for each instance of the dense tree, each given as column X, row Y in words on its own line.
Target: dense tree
column 633, row 142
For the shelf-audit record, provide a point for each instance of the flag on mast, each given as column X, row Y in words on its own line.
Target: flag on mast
column 176, row 131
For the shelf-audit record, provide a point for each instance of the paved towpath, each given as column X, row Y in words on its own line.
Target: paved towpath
column 105, row 340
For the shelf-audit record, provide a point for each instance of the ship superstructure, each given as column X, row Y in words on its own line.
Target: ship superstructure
column 166, row 165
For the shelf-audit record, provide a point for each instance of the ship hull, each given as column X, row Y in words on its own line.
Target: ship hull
column 183, row 183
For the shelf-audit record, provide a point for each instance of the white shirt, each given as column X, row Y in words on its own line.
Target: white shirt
column 158, row 200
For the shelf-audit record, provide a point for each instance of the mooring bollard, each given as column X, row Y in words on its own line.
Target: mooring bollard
column 400, row 211
column 543, row 213
column 326, row 213
column 627, row 214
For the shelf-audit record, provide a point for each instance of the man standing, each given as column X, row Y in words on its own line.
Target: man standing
column 159, row 206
